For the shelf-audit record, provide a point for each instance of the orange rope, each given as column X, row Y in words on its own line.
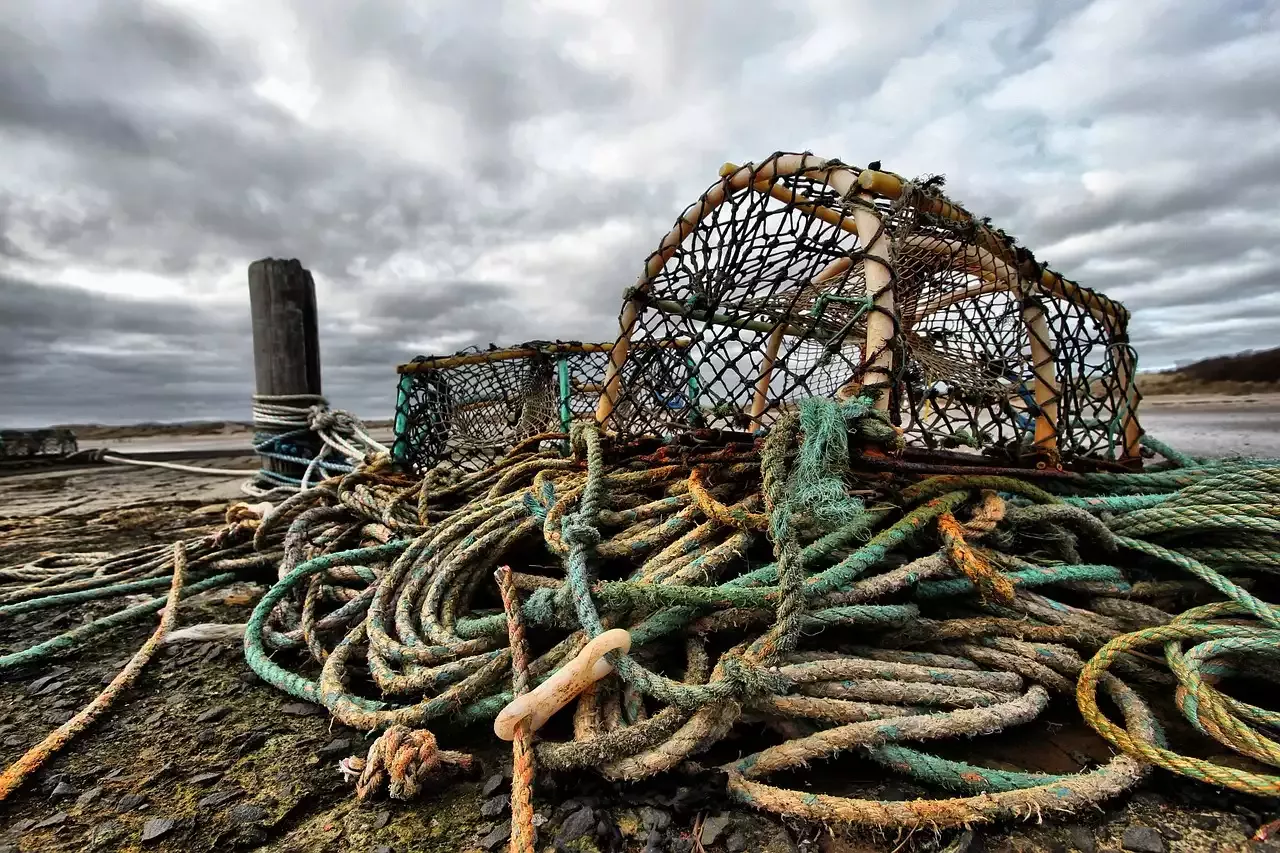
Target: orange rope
column 35, row 757
column 523, row 833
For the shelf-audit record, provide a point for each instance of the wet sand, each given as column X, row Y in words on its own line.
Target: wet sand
column 1215, row 426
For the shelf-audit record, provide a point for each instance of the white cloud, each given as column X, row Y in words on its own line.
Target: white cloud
column 507, row 166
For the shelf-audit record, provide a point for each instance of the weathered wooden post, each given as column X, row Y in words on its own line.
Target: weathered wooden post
column 286, row 348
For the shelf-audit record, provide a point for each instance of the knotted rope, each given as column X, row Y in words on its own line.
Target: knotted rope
column 400, row 761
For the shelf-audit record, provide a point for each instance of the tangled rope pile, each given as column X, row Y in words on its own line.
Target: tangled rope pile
column 897, row 608
column 811, row 582
column 286, row 427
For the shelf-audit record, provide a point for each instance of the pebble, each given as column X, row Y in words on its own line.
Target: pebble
column 129, row 802
column 1081, row 839
column 1142, row 839
column 247, row 813
column 157, row 827
column 52, row 687
column 217, row 712
column 491, row 784
column 494, row 806
column 383, row 818
column 56, row 819
column 1208, row 822
column 655, row 818
column 63, row 790
column 154, row 718
column 203, row 778
column 577, row 825
column 210, row 801
column 14, row 740
column 301, row 709
column 88, row 796
column 252, row 742
column 382, row 848
column 499, row 834
column 736, row 843
column 712, row 828
column 337, row 746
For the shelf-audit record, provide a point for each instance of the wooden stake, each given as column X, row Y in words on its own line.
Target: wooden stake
column 761, row 401
column 877, row 358
column 286, row 339
column 1045, row 388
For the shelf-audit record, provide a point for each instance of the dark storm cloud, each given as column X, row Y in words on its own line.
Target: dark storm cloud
column 460, row 174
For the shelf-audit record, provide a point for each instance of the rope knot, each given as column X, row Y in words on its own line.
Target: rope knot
column 577, row 531
column 401, row 759
column 322, row 418
column 749, row 680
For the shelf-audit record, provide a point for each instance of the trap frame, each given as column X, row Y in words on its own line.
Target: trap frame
column 37, row 443
column 800, row 277
column 467, row 409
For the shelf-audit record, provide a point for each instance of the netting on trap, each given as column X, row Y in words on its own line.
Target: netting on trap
column 468, row 409
column 28, row 444
column 801, row 277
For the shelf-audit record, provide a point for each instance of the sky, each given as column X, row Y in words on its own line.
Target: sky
column 466, row 173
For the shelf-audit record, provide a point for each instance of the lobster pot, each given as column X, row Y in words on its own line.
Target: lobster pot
column 30, row 444
column 465, row 410
column 800, row 277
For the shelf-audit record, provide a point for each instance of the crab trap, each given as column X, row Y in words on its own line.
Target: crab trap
column 468, row 409
column 800, row 277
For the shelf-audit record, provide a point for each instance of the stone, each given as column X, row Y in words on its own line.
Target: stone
column 247, row 814
column 154, row 717
column 217, row 712
column 14, row 740
column 129, row 802
column 736, row 843
column 1207, row 822
column 301, row 709
column 157, row 827
column 494, row 806
column 492, row 784
column 339, row 746
column 1081, row 839
column 655, row 818
column 88, row 796
column 1170, row 833
column 252, row 742
column 55, row 819
column 712, row 828
column 218, row 798
column 577, row 824
column 500, row 833
column 52, row 687
column 63, row 790
column 383, row 818
column 1142, row 839
column 204, row 778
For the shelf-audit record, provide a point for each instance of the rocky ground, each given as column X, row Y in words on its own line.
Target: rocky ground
column 201, row 755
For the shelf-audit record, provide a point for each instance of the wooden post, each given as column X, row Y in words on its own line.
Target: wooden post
column 761, row 401
column 1046, row 390
column 878, row 357
column 286, row 339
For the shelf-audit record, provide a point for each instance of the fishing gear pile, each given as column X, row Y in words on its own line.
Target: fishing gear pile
column 859, row 475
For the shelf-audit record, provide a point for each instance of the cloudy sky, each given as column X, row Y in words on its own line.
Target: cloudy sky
column 464, row 172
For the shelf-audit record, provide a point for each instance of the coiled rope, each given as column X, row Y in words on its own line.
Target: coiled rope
column 778, row 582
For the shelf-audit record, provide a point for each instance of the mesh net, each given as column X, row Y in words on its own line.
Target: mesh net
column 468, row 409
column 25, row 444
column 802, row 277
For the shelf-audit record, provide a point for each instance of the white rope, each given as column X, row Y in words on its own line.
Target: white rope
column 340, row 433
column 106, row 456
